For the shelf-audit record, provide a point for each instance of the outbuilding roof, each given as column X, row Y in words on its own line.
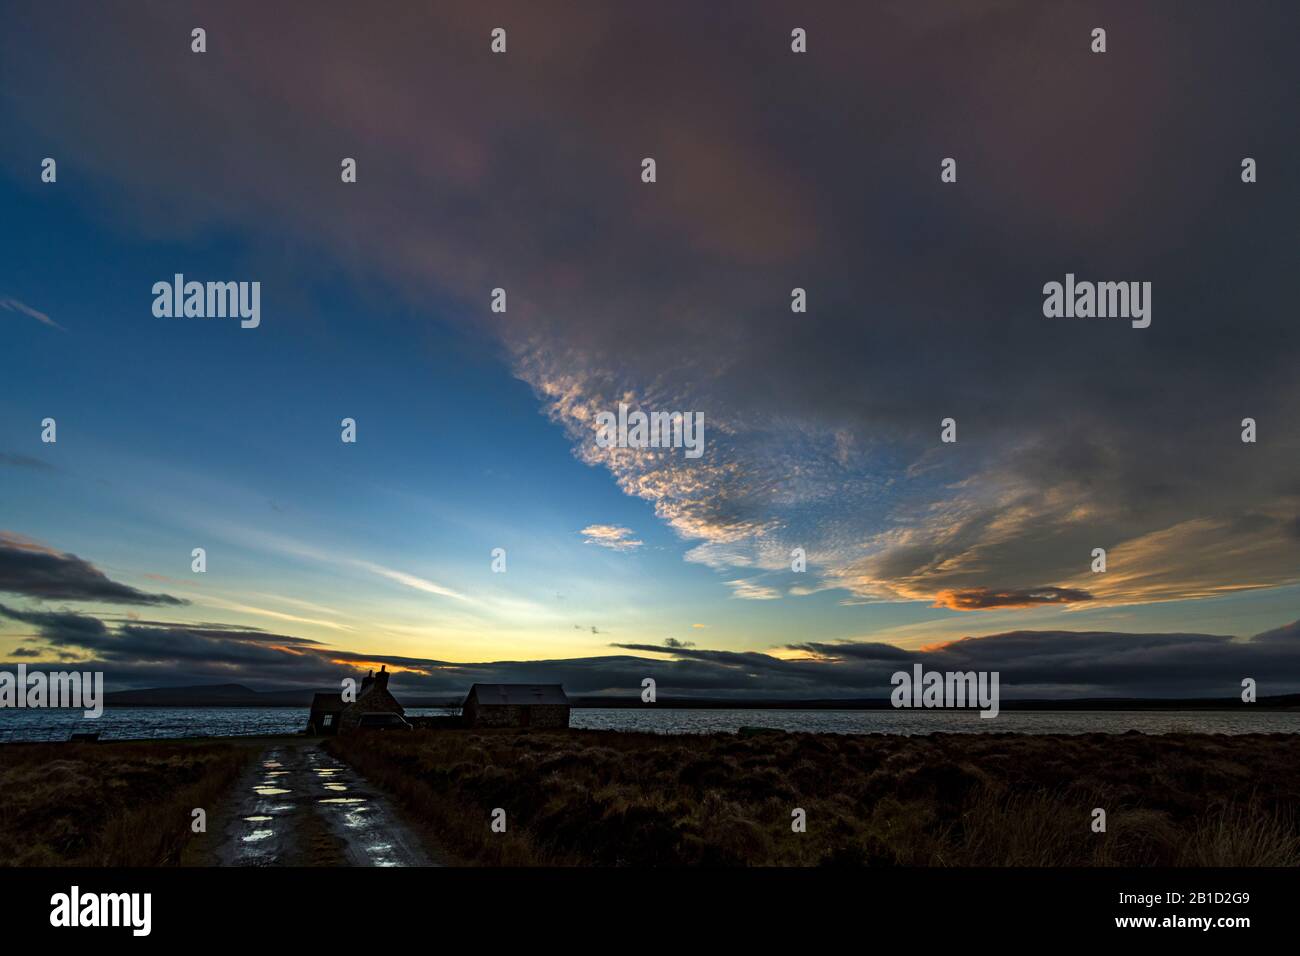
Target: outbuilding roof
column 327, row 703
column 519, row 694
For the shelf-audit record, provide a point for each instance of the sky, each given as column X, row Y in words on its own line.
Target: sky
column 475, row 429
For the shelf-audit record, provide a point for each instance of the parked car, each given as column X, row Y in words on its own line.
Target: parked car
column 382, row 721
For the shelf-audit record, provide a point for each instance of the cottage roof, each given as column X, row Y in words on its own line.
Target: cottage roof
column 378, row 695
column 519, row 694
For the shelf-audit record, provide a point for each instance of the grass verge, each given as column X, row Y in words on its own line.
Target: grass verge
column 109, row 804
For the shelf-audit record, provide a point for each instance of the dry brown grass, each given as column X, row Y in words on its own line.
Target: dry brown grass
column 605, row 798
column 108, row 804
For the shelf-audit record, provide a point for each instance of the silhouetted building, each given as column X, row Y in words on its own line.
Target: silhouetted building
column 330, row 714
column 516, row 705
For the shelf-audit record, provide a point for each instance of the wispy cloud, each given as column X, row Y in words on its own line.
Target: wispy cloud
column 611, row 536
column 752, row 591
column 25, row 461
column 412, row 581
column 242, row 608
column 13, row 305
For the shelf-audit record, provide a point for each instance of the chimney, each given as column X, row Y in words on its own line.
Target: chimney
column 381, row 679
column 366, row 682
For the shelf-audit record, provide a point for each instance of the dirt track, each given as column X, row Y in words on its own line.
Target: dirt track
column 299, row 806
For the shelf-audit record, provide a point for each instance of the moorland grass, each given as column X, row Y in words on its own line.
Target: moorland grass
column 607, row 798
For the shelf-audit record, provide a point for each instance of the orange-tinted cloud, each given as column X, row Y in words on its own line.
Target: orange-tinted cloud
column 994, row 599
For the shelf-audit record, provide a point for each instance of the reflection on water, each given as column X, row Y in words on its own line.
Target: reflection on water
column 341, row 800
column 908, row 722
column 381, row 854
column 119, row 723
column 257, row 835
column 270, row 791
column 356, row 818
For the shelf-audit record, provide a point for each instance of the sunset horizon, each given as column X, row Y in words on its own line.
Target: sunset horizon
column 136, row 650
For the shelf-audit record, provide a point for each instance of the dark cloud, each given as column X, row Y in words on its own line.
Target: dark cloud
column 33, row 570
column 1037, row 664
column 1065, row 664
column 157, row 653
column 1287, row 634
column 199, row 625
column 62, row 627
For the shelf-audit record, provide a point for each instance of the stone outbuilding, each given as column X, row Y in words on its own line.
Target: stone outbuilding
column 516, row 705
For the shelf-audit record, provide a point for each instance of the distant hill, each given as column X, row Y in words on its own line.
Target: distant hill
column 237, row 695
column 208, row 695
